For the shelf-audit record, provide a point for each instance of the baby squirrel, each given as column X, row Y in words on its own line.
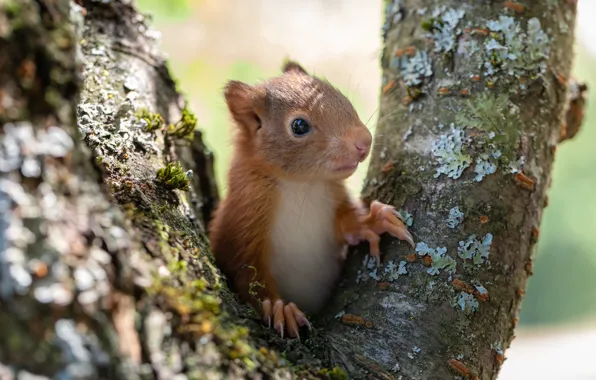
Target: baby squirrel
column 281, row 234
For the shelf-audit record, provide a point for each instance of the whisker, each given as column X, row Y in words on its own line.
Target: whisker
column 380, row 146
column 391, row 114
column 373, row 114
column 379, row 107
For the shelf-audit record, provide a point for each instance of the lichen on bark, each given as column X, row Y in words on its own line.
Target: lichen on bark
column 479, row 134
column 105, row 269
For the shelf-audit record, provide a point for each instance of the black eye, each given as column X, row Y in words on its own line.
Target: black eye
column 300, row 127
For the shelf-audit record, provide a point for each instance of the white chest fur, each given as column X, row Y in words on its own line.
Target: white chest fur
column 305, row 254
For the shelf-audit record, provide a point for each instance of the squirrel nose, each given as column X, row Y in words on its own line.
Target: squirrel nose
column 362, row 146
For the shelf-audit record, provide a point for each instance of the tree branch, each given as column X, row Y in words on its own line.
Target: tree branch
column 469, row 119
column 575, row 110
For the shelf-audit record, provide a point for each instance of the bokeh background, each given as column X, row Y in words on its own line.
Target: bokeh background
column 212, row 41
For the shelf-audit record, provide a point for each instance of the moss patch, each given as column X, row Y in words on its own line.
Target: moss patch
column 173, row 177
column 153, row 121
column 185, row 127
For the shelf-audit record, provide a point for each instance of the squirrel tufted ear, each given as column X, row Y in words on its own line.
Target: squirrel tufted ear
column 293, row 66
column 245, row 104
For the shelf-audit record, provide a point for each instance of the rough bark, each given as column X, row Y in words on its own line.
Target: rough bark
column 105, row 269
column 453, row 104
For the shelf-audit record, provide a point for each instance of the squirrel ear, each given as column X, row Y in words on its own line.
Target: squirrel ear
column 293, row 66
column 245, row 104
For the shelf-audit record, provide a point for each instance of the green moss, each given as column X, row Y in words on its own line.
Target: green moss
column 302, row 372
column 427, row 25
column 154, row 120
column 335, row 373
column 184, row 129
column 495, row 60
column 414, row 92
column 430, row 24
column 12, row 8
column 200, row 308
column 14, row 11
column 173, row 177
column 177, row 266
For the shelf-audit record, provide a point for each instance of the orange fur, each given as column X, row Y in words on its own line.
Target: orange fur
column 348, row 215
column 285, row 190
column 239, row 231
column 264, row 154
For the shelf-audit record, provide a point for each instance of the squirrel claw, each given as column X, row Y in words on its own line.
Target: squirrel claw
column 399, row 232
column 299, row 316
column 291, row 322
column 395, row 212
column 384, row 218
column 267, row 312
column 286, row 318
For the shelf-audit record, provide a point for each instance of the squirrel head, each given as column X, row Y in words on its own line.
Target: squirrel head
column 298, row 125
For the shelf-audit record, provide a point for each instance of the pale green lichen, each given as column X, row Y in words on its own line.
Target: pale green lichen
column 514, row 51
column 475, row 250
column 480, row 289
column 393, row 14
column 467, row 303
column 392, row 271
column 497, row 347
column 368, row 263
column 516, row 166
column 408, row 218
column 414, row 69
column 499, row 119
column 450, row 152
column 490, row 112
column 373, row 274
column 443, row 28
column 483, row 167
column 440, row 259
column 455, row 217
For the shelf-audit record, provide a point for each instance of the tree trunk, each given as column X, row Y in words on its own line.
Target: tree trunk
column 105, row 269
column 473, row 104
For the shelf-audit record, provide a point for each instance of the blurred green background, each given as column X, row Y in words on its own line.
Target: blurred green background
column 202, row 40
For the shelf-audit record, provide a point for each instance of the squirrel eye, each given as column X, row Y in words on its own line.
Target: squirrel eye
column 300, row 127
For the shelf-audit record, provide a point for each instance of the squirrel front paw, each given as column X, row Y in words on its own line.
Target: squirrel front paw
column 384, row 218
column 284, row 317
column 381, row 218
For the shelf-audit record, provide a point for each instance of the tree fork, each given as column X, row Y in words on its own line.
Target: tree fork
column 105, row 270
